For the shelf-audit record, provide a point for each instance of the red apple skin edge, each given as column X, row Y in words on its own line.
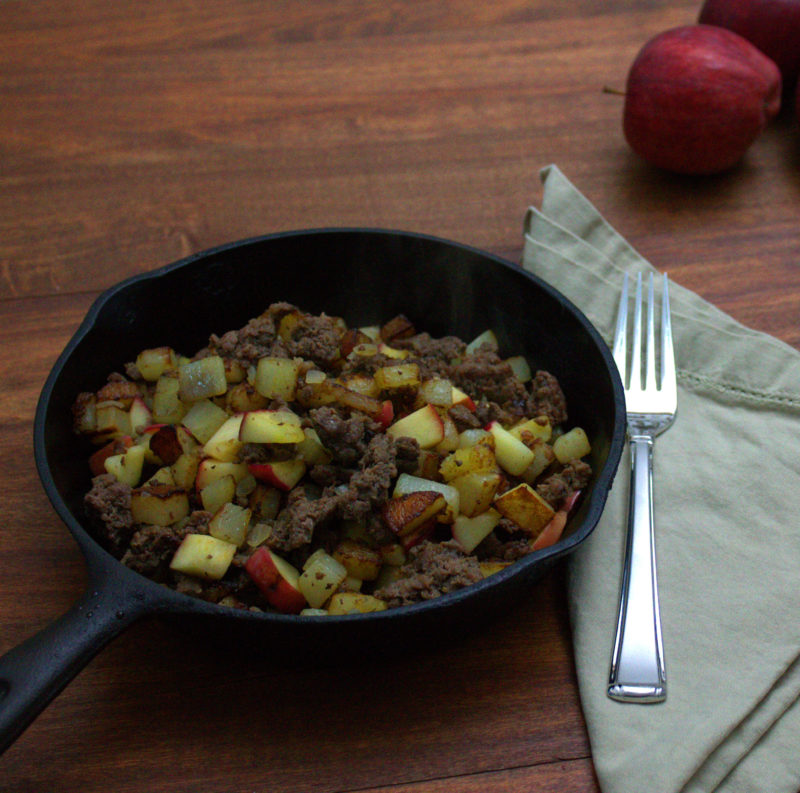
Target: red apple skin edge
column 697, row 96
column 771, row 25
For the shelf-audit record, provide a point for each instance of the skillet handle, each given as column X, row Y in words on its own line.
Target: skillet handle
column 36, row 671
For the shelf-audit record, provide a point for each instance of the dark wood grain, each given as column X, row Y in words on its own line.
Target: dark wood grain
column 130, row 139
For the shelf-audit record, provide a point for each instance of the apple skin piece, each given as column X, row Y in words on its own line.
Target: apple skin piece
column 165, row 444
column 277, row 580
column 458, row 397
column 697, row 96
column 224, row 444
column 284, row 474
column 552, row 532
column 424, row 425
column 773, row 26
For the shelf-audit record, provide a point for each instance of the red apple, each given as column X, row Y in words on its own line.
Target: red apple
column 277, row 580
column 283, row 474
column 771, row 25
column 697, row 97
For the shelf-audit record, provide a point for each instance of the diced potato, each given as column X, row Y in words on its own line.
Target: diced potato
column 154, row 362
column 315, row 376
column 490, row 568
column 234, row 371
column 471, row 460
column 203, row 419
column 406, row 512
column 203, row 556
column 388, row 575
column 363, row 349
column 512, row 454
column 361, row 384
column 476, row 491
column 542, row 458
column 392, row 352
column 230, row 523
column 373, row 331
column 400, row 377
column 399, row 327
column 276, row 378
column 140, row 415
column 571, row 445
column 219, row 492
column 428, row 463
column 314, row 613
column 112, row 420
column 163, row 476
column 359, row 560
column 525, row 507
column 321, row 577
column 202, row 379
column 246, row 485
column 532, row 430
column 451, row 438
column 258, row 534
column 167, row 405
column 209, row 471
column 265, row 501
column 184, row 470
column 354, row 603
column 271, row 426
column 243, row 397
column 470, row 437
column 406, row 483
column 311, row 450
column 393, row 553
column 351, row 584
column 159, row 505
column 84, row 413
column 437, row 391
column 471, row 532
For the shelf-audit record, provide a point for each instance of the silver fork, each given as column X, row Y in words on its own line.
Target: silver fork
column 637, row 665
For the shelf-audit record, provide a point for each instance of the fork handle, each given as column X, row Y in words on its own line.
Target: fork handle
column 637, row 665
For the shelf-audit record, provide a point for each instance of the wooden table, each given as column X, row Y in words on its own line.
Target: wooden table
column 131, row 135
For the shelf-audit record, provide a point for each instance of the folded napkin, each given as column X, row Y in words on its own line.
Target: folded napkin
column 727, row 507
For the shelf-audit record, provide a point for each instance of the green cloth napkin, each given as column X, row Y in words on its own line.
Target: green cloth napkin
column 727, row 507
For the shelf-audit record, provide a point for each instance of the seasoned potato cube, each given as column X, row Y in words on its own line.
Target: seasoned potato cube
column 202, row 379
column 542, row 458
column 470, row 532
column 217, row 493
column 487, row 338
column 321, row 577
column 406, row 483
column 490, row 568
column 159, row 505
column 112, row 420
column 359, row 560
column 470, row 437
column 203, row 419
column 520, row 368
column 512, row 454
column 437, row 391
column 203, row 556
column 224, row 444
column 265, row 501
column 276, row 378
column 533, row 429
column 243, row 397
column 167, row 405
column 311, row 450
column 127, row 467
column 184, row 470
column 476, row 491
column 154, row 362
column 354, row 603
column 405, row 512
column 525, row 507
column 271, row 426
column 472, row 460
column 571, row 445
column 400, row 377
column 392, row 352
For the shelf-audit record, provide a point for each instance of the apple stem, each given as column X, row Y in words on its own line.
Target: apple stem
column 607, row 89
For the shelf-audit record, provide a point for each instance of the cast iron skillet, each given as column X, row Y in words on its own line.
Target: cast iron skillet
column 365, row 276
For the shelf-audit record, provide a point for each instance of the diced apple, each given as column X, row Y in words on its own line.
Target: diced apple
column 230, row 523
column 277, row 580
column 265, row 501
column 203, row 419
column 359, row 560
column 354, row 603
column 116, row 446
column 476, row 491
column 487, row 338
column 167, row 405
column 473, row 459
column 311, row 449
column 209, row 471
column 202, row 379
column 571, row 445
column 450, row 440
column 271, row 426
column 406, row 483
column 224, row 444
column 512, row 454
column 471, row 532
column 217, row 493
column 533, row 429
column 400, row 377
column 276, row 378
column 127, row 467
column 203, row 556
column 520, row 367
column 283, row 474
column 321, row 577
column 159, row 505
column 140, row 415
column 424, row 425
column 154, row 362
column 526, row 508
column 460, row 398
column 551, row 533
